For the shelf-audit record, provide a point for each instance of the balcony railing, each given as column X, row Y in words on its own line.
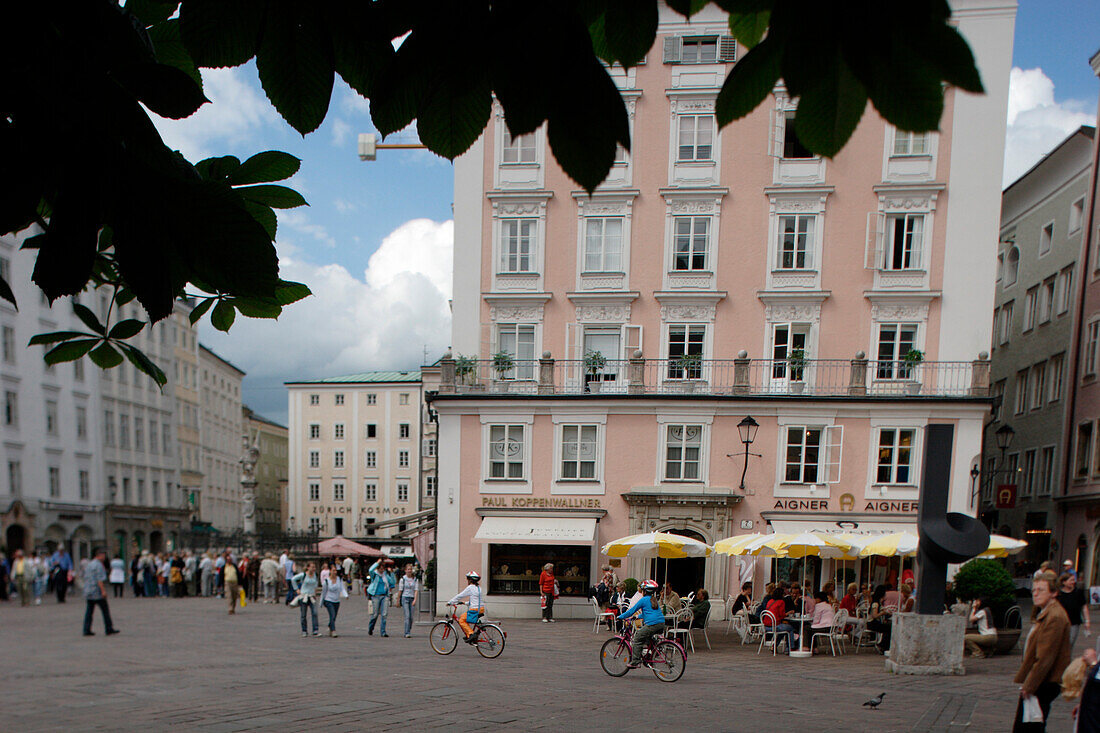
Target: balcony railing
column 857, row 377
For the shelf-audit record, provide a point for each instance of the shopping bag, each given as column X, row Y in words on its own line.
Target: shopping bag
column 343, row 591
column 243, row 604
column 542, row 600
column 1033, row 713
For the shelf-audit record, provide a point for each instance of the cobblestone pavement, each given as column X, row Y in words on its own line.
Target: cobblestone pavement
column 187, row 664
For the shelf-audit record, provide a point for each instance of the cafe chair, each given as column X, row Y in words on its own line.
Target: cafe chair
column 700, row 626
column 769, row 630
column 601, row 616
column 675, row 631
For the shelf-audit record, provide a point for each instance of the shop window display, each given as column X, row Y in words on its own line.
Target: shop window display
column 514, row 569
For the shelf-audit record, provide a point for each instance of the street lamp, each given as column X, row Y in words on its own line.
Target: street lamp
column 747, row 430
column 1004, row 436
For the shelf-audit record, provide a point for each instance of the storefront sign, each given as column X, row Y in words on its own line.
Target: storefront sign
column 896, row 507
column 1006, row 496
column 803, row 505
column 364, row 510
column 532, row 502
column 822, row 505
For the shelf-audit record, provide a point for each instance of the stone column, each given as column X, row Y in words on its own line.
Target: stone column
column 741, row 373
column 637, row 373
column 857, row 378
column 546, row 374
column 447, row 377
column 979, row 375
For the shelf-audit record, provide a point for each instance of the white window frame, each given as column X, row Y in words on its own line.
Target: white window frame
column 402, row 492
column 526, row 250
column 803, row 242
column 1048, row 462
column 370, row 490
column 1005, row 326
column 338, row 459
column 402, row 459
column 1029, row 473
column 1076, row 215
column 693, row 237
column 700, row 131
column 1046, row 299
column 1082, row 438
column 370, row 460
column 522, row 150
column 683, row 443
column 830, row 453
column 1012, row 266
column 338, row 493
column 315, row 459
column 781, row 372
column 896, row 450
column 1092, row 340
column 905, row 143
column 1046, row 238
column 506, row 485
column 431, row 486
column 314, row 431
column 913, row 245
column 893, row 370
column 601, row 239
column 1057, row 374
column 372, row 398
column 314, row 400
column 404, row 431
column 525, row 366
column 577, row 441
column 338, row 431
column 674, row 371
column 1037, row 387
column 1020, row 388
column 314, row 490
column 1065, row 290
column 338, row 399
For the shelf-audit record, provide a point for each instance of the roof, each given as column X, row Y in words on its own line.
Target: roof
column 366, row 378
column 1086, row 130
column 231, row 365
column 251, row 415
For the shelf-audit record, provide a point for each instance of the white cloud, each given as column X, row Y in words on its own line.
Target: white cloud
column 340, row 131
column 382, row 321
column 344, row 206
column 299, row 221
column 236, row 112
column 1036, row 122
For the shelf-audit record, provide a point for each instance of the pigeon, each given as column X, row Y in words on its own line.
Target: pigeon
column 874, row 702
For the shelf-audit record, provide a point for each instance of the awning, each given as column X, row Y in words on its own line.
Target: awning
column 854, row 526
column 537, row 530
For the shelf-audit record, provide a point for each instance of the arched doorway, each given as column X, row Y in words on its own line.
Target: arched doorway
column 685, row 574
column 15, row 538
column 82, row 543
column 120, row 545
column 156, row 541
column 139, row 542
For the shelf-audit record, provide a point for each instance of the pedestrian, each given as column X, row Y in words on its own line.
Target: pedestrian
column 269, row 575
column 190, row 579
column 41, row 576
column 380, row 583
column 254, row 577
column 118, row 575
column 231, row 581
column 1081, row 682
column 206, row 573
column 1076, row 604
column 408, row 590
column 61, row 570
column 22, row 571
column 333, row 590
column 219, row 574
column 548, row 587
column 304, row 586
column 1067, row 567
column 1046, row 655
column 347, row 567
column 135, row 576
column 288, row 575
column 95, row 593
column 148, row 575
column 175, row 576
column 1044, row 567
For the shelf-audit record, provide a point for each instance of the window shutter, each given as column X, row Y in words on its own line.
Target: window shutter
column 424, row 447
column 673, row 48
column 917, row 256
column 488, row 340
column 574, row 337
column 834, row 439
column 876, row 228
column 727, row 48
column 632, row 340
column 776, row 130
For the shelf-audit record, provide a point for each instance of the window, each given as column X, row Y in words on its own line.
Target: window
column 517, row 245
column 338, row 399
column 795, row 250
column 524, row 563
column 578, row 451
column 895, row 456
column 141, row 491
column 1084, row 450
column 372, row 398
column 1012, row 267
column 1006, row 322
column 338, row 431
column 696, row 137
column 1092, row 337
column 372, row 430
column 1021, row 392
column 430, row 447
column 124, row 432
column 1065, row 290
column 1076, row 214
column 690, row 242
column 55, row 481
column 371, row 493
column 1046, row 471
column 603, row 245
column 683, row 452
column 84, row 483
column 792, row 146
column 905, row 242
column 153, row 442
column 895, row 340
column 1037, row 387
column 314, row 400
column 108, row 428
column 911, row 143
column 1027, row 480
column 1012, row 468
column 1046, row 236
column 166, row 438
column 338, row 459
column 786, row 339
column 518, row 340
column 314, row 431
column 403, row 493
column 403, row 430
column 685, row 351
column 314, row 459
column 5, row 269
column 1057, row 363
column 315, row 525
column 139, row 434
column 403, row 398
column 1046, row 300
column 506, row 451
column 7, row 344
column 812, row 454
column 372, row 459
column 78, row 370
column 82, row 423
column 699, row 50
column 15, row 478
column 518, row 149
column 998, row 398
column 51, row 417
column 402, row 459
column 338, row 491
column 314, row 491
column 1029, row 308
column 430, row 486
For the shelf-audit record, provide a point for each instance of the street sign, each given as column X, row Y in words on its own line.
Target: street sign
column 1006, row 496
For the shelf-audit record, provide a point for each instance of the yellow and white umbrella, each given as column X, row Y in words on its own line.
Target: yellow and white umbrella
column 657, row 544
column 733, row 545
column 806, row 544
column 1001, row 546
column 895, row 544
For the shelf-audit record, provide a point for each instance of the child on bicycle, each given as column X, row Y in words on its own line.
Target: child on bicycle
column 471, row 594
column 652, row 618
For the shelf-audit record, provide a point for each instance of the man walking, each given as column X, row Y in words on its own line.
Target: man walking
column 231, row 581
column 95, row 593
column 61, row 567
column 288, row 574
column 381, row 582
column 22, row 571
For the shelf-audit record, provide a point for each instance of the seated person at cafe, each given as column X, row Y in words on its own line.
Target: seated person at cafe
column 778, row 608
column 670, row 600
column 829, row 589
column 744, row 599
column 848, row 602
column 892, row 597
column 878, row 618
column 908, row 602
column 794, row 599
column 808, row 603
column 700, row 609
column 823, row 614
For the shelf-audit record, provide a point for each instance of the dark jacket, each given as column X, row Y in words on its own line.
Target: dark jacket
column 1047, row 653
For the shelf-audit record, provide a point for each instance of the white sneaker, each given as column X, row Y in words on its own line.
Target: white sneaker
column 553, row 621
column 546, row 621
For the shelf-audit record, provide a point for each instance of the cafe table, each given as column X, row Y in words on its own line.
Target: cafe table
column 800, row 619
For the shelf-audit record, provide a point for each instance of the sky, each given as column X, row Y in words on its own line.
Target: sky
column 375, row 242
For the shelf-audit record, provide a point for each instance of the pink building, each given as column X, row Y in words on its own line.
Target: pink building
column 1078, row 532
column 712, row 277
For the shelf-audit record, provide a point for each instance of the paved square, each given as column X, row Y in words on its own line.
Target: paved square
column 186, row 664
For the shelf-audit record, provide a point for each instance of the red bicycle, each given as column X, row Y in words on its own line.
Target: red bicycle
column 664, row 656
column 488, row 638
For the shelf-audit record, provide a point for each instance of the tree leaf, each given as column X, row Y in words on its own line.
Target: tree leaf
column 291, row 292
column 630, row 27
column 296, row 65
column 257, row 308
column 277, row 197
column 126, row 329
column 748, row 83
column 166, row 90
column 271, row 165
column 952, row 57
column 586, row 151
column 454, row 113
column 70, row 350
column 265, row 216
column 89, row 319
column 169, row 48
column 7, row 294
column 687, row 8
column 749, row 28
column 151, row 12
column 218, row 169
column 218, row 33
column 361, row 45
column 829, row 109
column 223, row 316
column 54, row 337
column 144, row 364
column 199, row 310
column 67, row 251
column 105, row 356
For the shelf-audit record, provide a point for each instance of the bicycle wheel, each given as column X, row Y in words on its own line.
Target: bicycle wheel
column 669, row 661
column 490, row 641
column 444, row 638
column 614, row 656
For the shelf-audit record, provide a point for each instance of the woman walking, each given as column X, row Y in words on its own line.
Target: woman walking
column 408, row 588
column 305, row 584
column 548, row 587
column 118, row 575
column 333, row 590
column 1046, row 655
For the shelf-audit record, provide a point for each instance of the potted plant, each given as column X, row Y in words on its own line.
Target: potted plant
column 465, row 369
column 691, row 369
column 796, row 361
column 594, row 362
column 502, row 364
column 912, row 358
column 989, row 579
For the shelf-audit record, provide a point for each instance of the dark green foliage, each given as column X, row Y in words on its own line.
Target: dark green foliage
column 630, row 586
column 986, row 579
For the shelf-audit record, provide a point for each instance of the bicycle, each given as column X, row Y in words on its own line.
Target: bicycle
column 664, row 656
column 489, row 638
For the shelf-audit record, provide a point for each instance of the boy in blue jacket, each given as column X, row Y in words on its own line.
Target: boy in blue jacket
column 652, row 617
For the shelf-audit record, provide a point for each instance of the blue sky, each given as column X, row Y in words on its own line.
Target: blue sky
column 375, row 242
